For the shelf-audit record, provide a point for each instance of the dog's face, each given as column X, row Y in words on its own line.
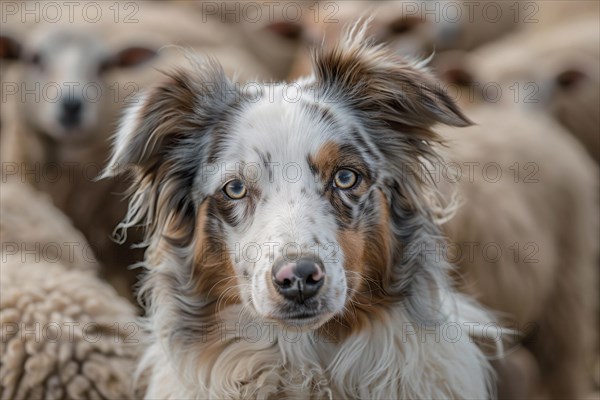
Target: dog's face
column 289, row 204
column 294, row 188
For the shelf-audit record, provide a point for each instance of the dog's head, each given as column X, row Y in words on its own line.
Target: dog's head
column 298, row 201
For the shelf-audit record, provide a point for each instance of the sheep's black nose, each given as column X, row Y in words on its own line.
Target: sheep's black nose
column 71, row 112
column 298, row 280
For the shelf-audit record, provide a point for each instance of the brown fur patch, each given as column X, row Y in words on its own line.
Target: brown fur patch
column 326, row 160
column 333, row 156
column 368, row 262
column 352, row 243
column 212, row 272
column 387, row 88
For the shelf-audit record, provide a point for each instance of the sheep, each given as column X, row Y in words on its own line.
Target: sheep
column 526, row 240
column 269, row 32
column 64, row 333
column 413, row 28
column 58, row 141
column 549, row 14
column 244, row 52
column 556, row 69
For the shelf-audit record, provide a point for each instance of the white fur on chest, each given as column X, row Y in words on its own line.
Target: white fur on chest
column 390, row 358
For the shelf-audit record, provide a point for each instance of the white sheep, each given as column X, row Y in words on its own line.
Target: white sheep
column 57, row 119
column 555, row 68
column 64, row 332
column 526, row 242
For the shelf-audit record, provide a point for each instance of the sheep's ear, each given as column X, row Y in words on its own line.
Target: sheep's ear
column 569, row 78
column 134, row 56
column 286, row 29
column 128, row 57
column 455, row 67
column 10, row 49
column 387, row 87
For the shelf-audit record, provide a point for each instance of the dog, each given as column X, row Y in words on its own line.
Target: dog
column 287, row 247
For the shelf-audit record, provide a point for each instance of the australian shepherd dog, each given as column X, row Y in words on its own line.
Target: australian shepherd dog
column 290, row 251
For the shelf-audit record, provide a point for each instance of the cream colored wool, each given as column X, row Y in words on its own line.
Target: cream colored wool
column 64, row 332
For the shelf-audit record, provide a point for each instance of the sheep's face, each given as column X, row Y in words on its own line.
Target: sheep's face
column 64, row 93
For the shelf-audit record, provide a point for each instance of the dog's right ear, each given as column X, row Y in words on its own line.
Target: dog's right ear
column 146, row 126
column 177, row 109
column 159, row 140
column 10, row 49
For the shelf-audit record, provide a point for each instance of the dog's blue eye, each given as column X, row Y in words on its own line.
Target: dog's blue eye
column 345, row 179
column 235, row 189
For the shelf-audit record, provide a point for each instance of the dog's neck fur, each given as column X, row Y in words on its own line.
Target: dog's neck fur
column 236, row 354
column 392, row 357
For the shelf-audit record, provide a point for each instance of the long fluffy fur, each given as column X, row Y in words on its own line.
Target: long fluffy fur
column 386, row 359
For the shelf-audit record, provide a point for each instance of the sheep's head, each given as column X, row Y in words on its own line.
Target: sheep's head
column 63, row 92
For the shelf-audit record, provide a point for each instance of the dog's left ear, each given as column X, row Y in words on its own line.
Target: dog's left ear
column 383, row 85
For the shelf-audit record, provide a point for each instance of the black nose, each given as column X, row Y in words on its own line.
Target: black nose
column 298, row 280
column 71, row 112
column 71, row 106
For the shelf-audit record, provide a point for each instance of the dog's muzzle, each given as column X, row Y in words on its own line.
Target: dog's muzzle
column 298, row 280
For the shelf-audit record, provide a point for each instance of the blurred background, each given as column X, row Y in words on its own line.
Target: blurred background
column 68, row 69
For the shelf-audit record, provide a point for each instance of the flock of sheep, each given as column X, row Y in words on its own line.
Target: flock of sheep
column 526, row 72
